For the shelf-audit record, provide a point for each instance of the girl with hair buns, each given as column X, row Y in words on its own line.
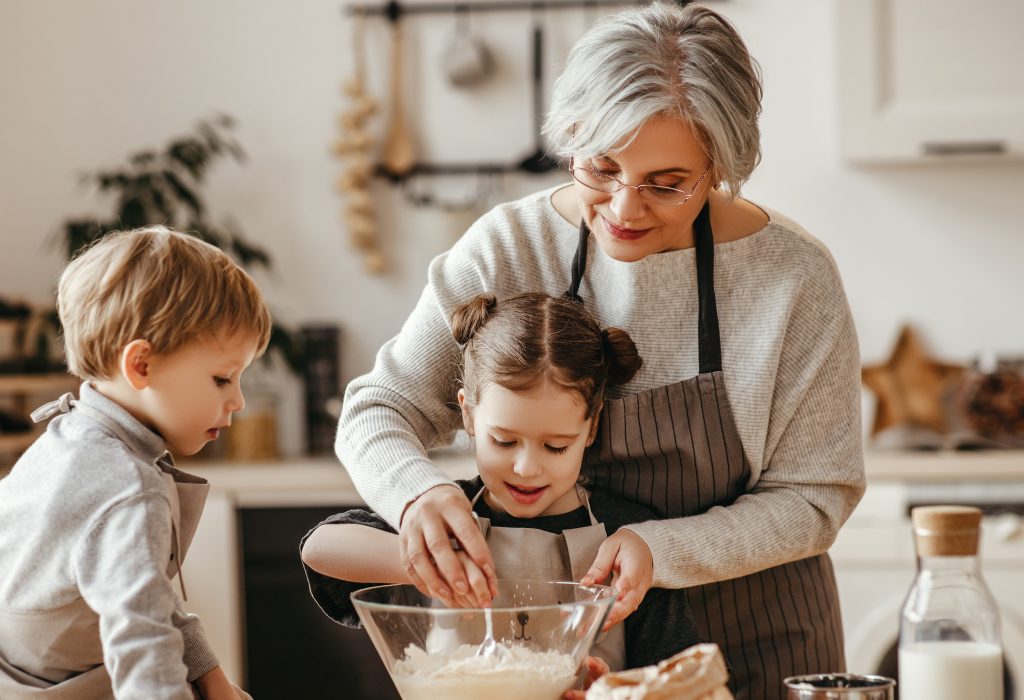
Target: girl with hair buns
column 742, row 430
column 535, row 369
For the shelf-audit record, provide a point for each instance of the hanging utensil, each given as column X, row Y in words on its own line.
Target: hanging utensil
column 539, row 161
column 399, row 154
column 465, row 59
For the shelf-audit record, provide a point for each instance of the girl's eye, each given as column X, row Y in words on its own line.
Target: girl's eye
column 221, row 381
column 557, row 450
column 502, row 443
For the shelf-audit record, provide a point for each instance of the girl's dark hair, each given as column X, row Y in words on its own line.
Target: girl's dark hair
column 518, row 342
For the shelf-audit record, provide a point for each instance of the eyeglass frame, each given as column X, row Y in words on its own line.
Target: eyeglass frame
column 642, row 186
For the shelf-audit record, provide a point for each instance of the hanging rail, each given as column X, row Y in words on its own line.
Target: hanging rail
column 394, row 9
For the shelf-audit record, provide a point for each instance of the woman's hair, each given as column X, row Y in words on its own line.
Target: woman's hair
column 660, row 60
column 521, row 341
column 157, row 285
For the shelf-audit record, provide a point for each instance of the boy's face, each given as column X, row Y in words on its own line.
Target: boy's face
column 529, row 447
column 192, row 392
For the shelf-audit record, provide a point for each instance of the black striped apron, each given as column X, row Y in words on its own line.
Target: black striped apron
column 676, row 450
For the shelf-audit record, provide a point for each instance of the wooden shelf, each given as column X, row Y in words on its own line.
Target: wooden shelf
column 16, row 442
column 36, row 383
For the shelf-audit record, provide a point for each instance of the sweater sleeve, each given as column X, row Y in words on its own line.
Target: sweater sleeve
column 812, row 472
column 331, row 594
column 120, row 565
column 407, row 403
column 198, row 656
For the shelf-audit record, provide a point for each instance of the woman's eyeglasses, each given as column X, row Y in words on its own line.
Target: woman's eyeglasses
column 655, row 194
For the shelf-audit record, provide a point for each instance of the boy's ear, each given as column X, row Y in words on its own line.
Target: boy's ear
column 467, row 418
column 135, row 361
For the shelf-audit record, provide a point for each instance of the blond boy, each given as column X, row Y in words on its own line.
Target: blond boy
column 94, row 518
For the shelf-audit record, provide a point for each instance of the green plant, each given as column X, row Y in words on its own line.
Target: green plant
column 164, row 187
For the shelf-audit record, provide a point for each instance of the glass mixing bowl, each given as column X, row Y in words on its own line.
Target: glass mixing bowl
column 543, row 630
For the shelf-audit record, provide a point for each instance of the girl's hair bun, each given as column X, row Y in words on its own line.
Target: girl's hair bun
column 621, row 356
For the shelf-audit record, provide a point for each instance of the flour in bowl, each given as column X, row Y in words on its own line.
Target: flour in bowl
column 519, row 674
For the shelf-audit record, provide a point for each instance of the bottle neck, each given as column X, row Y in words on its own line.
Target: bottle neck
column 940, row 565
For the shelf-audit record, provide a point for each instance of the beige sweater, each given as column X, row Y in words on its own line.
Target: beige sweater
column 789, row 357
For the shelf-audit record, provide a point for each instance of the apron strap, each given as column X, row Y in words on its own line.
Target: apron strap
column 51, row 408
column 707, row 327
column 580, row 545
column 709, row 338
column 579, row 264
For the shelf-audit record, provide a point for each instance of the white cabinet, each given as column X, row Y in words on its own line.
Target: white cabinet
column 931, row 80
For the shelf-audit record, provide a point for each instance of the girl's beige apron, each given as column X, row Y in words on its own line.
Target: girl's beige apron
column 529, row 553
column 64, row 643
column 676, row 450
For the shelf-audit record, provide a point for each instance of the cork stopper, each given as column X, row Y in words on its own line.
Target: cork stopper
column 946, row 531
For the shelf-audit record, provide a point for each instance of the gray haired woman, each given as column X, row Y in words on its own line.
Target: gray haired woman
column 742, row 431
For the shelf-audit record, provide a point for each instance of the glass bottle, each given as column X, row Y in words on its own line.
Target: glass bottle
column 949, row 630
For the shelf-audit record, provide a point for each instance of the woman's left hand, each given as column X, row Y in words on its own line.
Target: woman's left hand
column 626, row 554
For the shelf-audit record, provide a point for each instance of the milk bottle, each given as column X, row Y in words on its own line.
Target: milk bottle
column 949, row 630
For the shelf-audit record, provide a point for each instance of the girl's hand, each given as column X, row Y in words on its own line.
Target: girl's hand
column 626, row 554
column 595, row 669
column 428, row 558
column 214, row 685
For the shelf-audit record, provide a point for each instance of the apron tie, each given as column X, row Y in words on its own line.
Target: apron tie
column 51, row 408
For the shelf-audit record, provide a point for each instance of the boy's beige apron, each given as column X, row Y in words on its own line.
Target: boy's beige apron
column 530, row 553
column 64, row 643
column 676, row 450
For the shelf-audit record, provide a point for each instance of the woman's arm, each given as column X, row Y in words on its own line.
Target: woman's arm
column 354, row 553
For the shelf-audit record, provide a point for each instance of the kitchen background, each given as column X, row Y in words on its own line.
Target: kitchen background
column 936, row 242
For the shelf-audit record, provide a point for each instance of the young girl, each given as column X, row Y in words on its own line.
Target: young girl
column 535, row 369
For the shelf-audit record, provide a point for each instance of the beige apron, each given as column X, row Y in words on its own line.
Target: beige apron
column 676, row 450
column 530, row 553
column 65, row 641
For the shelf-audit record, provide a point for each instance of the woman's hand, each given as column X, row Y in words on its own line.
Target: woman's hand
column 626, row 554
column 595, row 669
column 433, row 566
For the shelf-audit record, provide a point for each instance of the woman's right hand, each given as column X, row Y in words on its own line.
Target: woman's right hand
column 425, row 541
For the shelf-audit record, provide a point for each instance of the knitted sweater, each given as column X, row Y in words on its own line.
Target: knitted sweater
column 789, row 357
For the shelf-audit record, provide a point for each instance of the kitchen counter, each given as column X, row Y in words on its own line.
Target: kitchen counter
column 307, row 481
column 945, row 466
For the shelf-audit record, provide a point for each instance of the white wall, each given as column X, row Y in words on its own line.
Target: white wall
column 84, row 83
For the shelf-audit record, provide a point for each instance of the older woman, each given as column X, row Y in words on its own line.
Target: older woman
column 742, row 430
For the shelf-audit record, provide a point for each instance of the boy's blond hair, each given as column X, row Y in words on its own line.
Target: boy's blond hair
column 153, row 284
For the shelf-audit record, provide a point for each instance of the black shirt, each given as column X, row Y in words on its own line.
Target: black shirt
column 661, row 627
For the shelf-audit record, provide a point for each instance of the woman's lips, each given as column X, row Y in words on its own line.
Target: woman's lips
column 625, row 234
column 213, row 433
column 525, row 496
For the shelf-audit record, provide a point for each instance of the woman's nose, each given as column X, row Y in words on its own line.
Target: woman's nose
column 627, row 205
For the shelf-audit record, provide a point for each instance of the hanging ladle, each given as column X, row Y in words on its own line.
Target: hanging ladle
column 539, row 161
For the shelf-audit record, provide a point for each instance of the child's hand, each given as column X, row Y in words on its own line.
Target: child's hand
column 626, row 554
column 214, row 685
column 595, row 669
